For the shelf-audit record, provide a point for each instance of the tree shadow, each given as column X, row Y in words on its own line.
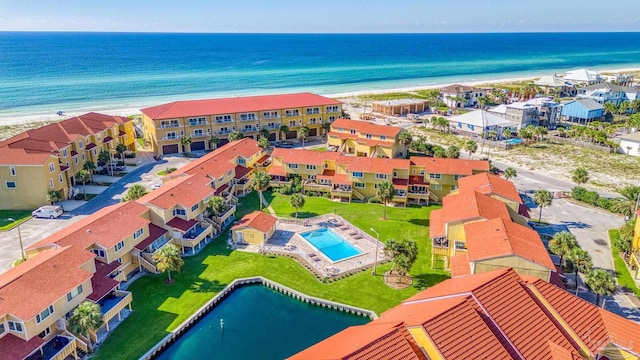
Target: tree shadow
column 303, row 214
column 205, row 286
column 424, row 281
column 576, row 224
column 421, row 222
column 268, row 196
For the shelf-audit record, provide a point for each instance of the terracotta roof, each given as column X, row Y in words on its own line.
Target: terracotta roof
column 458, row 89
column 498, row 237
column 342, row 179
column 185, row 191
column 400, row 183
column 490, row 184
column 327, row 174
column 155, row 232
column 276, row 171
column 305, row 157
column 105, row 269
column 450, row 166
column 373, row 165
column 40, row 281
column 14, row 347
column 222, row 160
column 459, row 265
column 258, row 220
column 262, row 159
column 417, row 180
column 182, row 225
column 364, row 127
column 221, row 189
column 241, row 171
column 178, row 109
column 102, row 285
column 106, row 227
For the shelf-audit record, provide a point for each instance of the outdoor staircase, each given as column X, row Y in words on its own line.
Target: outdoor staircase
column 344, row 145
column 231, row 199
column 357, row 194
column 147, row 263
column 216, row 227
column 374, row 153
column 433, row 197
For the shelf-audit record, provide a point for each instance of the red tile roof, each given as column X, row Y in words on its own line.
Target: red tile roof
column 459, row 265
column 258, row 220
column 186, row 191
column 498, row 237
column 450, row 166
column 373, row 165
column 341, row 179
column 491, row 184
column 417, row 180
column 241, row 171
column 105, row 269
column 276, row 171
column 154, row 233
column 222, row 160
column 301, row 156
column 14, row 347
column 178, row 109
column 102, row 285
column 458, row 89
column 182, row 225
column 221, row 189
column 363, row 127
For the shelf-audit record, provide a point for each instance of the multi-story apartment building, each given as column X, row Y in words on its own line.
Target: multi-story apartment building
column 498, row 315
column 168, row 126
column 460, row 96
column 362, row 138
column 350, row 177
column 46, row 159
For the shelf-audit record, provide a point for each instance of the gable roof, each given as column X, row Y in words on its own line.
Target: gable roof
column 604, row 85
column 552, row 81
column 457, row 89
column 258, row 220
column 589, row 104
column 187, row 191
column 635, row 137
column 179, row 109
column 481, row 119
column 364, row 127
column 450, row 166
column 489, row 184
column 582, row 75
column 222, row 160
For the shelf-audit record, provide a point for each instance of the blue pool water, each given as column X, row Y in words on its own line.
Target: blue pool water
column 514, row 141
column 331, row 244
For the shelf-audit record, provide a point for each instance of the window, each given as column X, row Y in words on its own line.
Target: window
column 119, row 245
column 75, row 160
column 99, row 252
column 311, row 167
column 60, row 177
column 422, row 172
column 247, row 117
column 194, row 207
column 333, row 108
column 460, row 245
column 357, row 174
column 51, row 183
column 395, row 174
column 292, row 112
column 359, row 185
column 224, row 118
column 138, row 233
column 292, row 123
column 435, row 176
column 80, row 144
column 197, row 133
column 270, row 115
column 15, row 326
column 435, row 187
column 182, row 212
column 12, row 169
column 64, row 153
column 381, row 176
column 353, row 132
column 368, row 136
column 311, row 177
column 332, row 118
column 44, row 314
column 456, row 177
column 197, row 121
column 2, row 329
column 293, row 166
column 44, row 333
column 73, row 293
column 382, row 137
column 83, row 158
column 311, row 111
column 52, row 168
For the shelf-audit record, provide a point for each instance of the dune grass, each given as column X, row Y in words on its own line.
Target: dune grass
column 160, row 308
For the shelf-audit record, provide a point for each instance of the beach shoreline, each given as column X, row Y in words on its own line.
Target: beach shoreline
column 8, row 120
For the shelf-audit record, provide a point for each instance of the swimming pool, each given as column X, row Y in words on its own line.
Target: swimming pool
column 331, row 244
column 514, row 141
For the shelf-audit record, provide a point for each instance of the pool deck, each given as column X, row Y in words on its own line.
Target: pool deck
column 287, row 241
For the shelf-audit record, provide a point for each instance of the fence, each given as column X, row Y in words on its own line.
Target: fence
column 206, row 308
column 583, row 144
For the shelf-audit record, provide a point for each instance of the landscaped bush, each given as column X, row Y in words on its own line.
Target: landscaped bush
column 374, row 200
column 578, row 192
column 603, row 203
column 590, row 197
column 120, row 163
column 130, row 155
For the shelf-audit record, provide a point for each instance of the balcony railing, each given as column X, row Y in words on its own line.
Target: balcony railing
column 224, row 121
column 169, row 126
column 67, row 350
column 228, row 213
column 440, row 242
column 223, row 132
column 249, row 130
column 122, row 299
column 198, row 123
column 249, row 119
column 194, row 236
column 317, row 187
column 272, row 127
column 199, row 135
column 176, row 137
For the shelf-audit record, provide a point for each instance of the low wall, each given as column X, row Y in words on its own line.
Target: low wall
column 206, row 308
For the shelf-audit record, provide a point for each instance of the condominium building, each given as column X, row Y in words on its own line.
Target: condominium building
column 417, row 179
column 363, row 138
column 493, row 315
column 460, row 96
column 48, row 158
column 184, row 126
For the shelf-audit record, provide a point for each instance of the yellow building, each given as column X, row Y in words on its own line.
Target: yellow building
column 184, row 126
column 46, row 159
column 362, row 138
column 634, row 258
column 255, row 228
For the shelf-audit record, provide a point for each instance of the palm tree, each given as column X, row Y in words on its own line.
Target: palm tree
column 506, row 133
column 185, row 140
column 214, row 140
column 385, row 193
column 217, row 205
column 120, row 149
column 263, row 143
column 326, row 126
column 581, row 261
column 135, row 192
column 168, row 259
column 509, row 173
column 483, row 101
column 453, row 152
column 103, row 158
column 403, row 254
column 627, row 205
column 284, row 130
column 610, row 108
column 86, row 318
column 296, row 201
column 471, row 147
column 303, row 133
column 562, row 244
column 235, row 136
column 264, row 133
column 601, row 282
column 542, row 198
column 90, row 167
column 53, row 196
column 82, row 176
column 260, row 183
column 580, row 176
column 405, row 140
column 624, row 107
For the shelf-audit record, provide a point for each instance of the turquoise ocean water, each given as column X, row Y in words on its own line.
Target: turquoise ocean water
column 41, row 73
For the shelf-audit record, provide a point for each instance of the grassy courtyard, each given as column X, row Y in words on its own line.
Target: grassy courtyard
column 19, row 216
column 159, row 308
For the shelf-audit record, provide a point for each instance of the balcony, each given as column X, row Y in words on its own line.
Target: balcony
column 58, row 348
column 269, row 117
column 292, row 114
column 241, row 186
column 112, row 304
column 227, row 214
column 223, row 132
column 199, row 135
column 279, row 181
column 175, row 137
column 194, row 236
column 422, row 195
column 272, row 127
column 253, row 118
column 440, row 242
column 311, row 186
column 198, row 123
column 169, row 126
column 224, row 121
column 249, row 129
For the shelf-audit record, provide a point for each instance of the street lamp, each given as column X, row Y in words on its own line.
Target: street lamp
column 375, row 262
column 612, row 300
column 20, row 239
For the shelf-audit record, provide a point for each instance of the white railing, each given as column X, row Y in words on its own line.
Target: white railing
column 177, row 137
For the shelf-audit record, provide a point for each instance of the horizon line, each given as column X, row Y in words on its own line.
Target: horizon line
column 320, row 33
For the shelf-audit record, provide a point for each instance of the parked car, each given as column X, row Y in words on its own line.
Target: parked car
column 48, row 211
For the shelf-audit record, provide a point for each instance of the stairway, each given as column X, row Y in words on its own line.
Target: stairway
column 433, row 197
column 216, row 227
column 149, row 266
column 357, row 194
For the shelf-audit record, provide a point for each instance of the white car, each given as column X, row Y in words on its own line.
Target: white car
column 48, row 211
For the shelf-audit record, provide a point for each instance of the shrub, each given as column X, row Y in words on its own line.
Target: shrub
column 578, row 192
column 120, row 163
column 327, row 195
column 603, row 203
column 374, row 200
column 130, row 155
column 590, row 197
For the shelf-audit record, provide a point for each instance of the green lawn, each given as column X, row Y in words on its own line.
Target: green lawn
column 20, row 216
column 159, row 308
column 622, row 272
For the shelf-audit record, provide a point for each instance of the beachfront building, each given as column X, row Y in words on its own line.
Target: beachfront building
column 361, row 138
column 497, row 315
column 630, row 144
column 620, row 79
column 46, row 159
column 634, row 257
column 603, row 93
column 400, row 107
column 548, row 111
column 556, row 86
column 583, row 77
column 522, row 114
column 459, row 96
column 418, row 179
column 194, row 125
column 254, row 229
column 480, row 123
column 582, row 111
